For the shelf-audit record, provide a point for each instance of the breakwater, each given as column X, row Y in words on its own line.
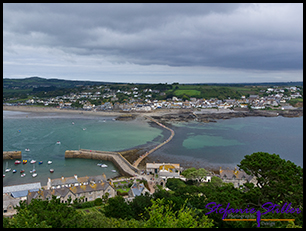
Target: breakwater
column 136, row 163
column 10, row 155
column 125, row 168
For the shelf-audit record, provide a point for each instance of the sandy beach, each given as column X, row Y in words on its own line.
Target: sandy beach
column 158, row 112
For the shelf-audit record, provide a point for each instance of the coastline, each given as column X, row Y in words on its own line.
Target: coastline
column 164, row 115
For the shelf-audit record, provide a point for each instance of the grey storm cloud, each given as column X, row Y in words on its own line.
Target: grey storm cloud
column 245, row 36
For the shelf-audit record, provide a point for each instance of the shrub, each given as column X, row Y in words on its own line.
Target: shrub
column 98, row 201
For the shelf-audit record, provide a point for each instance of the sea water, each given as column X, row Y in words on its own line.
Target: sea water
column 224, row 143
column 40, row 132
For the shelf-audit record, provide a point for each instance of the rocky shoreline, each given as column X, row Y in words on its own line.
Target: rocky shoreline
column 206, row 117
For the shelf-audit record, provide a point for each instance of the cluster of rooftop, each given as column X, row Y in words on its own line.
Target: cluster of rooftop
column 147, row 99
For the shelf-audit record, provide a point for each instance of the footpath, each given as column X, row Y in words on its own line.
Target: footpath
column 136, row 163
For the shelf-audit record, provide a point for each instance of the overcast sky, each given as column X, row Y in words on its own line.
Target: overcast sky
column 154, row 43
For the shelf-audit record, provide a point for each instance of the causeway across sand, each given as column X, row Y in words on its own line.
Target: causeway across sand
column 136, row 163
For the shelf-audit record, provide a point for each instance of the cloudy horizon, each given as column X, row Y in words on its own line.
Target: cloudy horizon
column 154, row 43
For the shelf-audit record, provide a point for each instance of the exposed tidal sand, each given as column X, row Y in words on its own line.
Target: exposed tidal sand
column 157, row 112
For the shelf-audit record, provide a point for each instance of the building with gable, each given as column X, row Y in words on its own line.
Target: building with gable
column 236, row 177
column 12, row 195
column 164, row 171
column 137, row 189
column 86, row 188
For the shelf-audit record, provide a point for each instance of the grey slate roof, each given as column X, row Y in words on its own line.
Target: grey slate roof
column 137, row 189
column 21, row 187
column 22, row 193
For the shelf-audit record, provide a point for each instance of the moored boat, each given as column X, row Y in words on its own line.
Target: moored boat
column 33, row 161
column 27, row 149
column 49, row 162
column 22, row 170
column 34, row 175
column 17, row 162
column 14, row 171
column 114, row 170
column 40, row 162
column 23, row 174
column 103, row 166
column 51, row 170
column 25, row 161
column 7, row 168
column 58, row 142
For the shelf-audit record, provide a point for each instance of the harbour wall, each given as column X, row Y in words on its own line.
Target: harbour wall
column 125, row 168
column 10, row 155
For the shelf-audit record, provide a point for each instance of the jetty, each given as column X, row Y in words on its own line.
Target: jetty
column 124, row 166
column 11, row 155
column 136, row 163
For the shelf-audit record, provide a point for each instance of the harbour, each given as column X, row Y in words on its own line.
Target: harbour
column 195, row 144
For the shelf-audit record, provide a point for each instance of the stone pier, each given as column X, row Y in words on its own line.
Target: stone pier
column 125, row 168
column 11, row 155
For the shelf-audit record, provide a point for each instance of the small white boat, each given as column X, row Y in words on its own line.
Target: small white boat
column 27, row 149
column 72, row 123
column 23, row 175
column 114, row 170
column 84, row 129
column 34, row 175
column 3, row 175
column 33, row 161
column 7, row 168
column 99, row 165
column 103, row 166
column 33, row 170
column 58, row 142
column 49, row 162
column 51, row 170
column 14, row 171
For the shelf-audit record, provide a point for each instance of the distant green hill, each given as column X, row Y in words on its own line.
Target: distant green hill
column 37, row 82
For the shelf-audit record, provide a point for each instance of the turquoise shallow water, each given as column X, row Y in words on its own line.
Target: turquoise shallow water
column 224, row 143
column 40, row 133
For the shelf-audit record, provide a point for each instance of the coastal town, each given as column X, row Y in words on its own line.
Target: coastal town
column 103, row 98
column 126, row 104
column 89, row 188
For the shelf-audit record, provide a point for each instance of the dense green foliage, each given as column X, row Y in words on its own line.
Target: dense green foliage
column 184, row 206
column 278, row 179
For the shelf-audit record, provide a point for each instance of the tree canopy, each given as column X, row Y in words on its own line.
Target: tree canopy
column 277, row 179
